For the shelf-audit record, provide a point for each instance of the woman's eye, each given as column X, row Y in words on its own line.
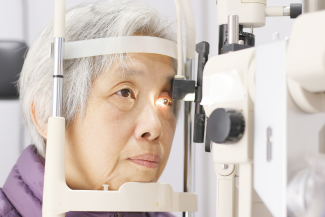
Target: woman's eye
column 164, row 102
column 125, row 93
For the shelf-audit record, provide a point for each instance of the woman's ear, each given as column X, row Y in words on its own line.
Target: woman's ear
column 33, row 112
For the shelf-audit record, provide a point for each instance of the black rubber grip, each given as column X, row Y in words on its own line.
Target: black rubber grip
column 208, row 144
column 199, row 128
column 295, row 10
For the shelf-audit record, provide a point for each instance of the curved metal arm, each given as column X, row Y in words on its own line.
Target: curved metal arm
column 190, row 28
column 180, row 64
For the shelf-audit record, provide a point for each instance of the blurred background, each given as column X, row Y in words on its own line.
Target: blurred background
column 22, row 20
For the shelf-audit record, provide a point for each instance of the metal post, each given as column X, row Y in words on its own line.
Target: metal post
column 286, row 11
column 57, row 77
column 233, row 29
column 188, row 145
column 314, row 5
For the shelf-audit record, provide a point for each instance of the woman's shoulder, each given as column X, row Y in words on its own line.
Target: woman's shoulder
column 6, row 208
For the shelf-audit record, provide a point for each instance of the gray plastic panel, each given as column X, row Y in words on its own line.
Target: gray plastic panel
column 11, row 62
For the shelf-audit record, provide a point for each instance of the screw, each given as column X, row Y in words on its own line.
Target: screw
column 105, row 187
column 224, row 166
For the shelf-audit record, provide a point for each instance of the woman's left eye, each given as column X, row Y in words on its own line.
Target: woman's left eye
column 164, row 102
column 125, row 93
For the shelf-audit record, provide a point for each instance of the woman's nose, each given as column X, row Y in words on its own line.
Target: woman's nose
column 149, row 126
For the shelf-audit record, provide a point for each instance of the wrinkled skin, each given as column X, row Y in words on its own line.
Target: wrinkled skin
column 123, row 120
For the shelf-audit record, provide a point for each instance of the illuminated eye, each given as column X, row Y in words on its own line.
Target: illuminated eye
column 163, row 101
column 125, row 92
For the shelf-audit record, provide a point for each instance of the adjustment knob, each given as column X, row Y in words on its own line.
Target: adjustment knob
column 225, row 126
column 295, row 10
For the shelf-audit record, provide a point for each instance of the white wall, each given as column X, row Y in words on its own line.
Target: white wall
column 11, row 20
column 40, row 12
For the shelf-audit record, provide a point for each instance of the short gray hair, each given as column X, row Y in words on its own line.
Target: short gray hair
column 110, row 18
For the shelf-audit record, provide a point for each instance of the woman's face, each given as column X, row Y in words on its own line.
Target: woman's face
column 128, row 127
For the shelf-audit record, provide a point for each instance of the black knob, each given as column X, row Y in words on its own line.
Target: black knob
column 295, row 10
column 225, row 126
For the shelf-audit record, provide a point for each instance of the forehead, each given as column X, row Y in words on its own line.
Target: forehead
column 150, row 64
column 141, row 67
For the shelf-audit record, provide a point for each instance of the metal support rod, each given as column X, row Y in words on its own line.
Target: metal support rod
column 187, row 151
column 286, row 11
column 188, row 145
column 57, row 77
column 233, row 29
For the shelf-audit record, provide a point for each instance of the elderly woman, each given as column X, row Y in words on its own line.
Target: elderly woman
column 116, row 132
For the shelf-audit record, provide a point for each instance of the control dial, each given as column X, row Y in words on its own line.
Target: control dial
column 225, row 126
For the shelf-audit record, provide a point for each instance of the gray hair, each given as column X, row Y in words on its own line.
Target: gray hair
column 110, row 18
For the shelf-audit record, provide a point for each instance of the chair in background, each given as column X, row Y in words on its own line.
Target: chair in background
column 12, row 55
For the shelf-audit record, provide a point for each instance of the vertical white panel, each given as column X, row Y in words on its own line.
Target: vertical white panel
column 270, row 127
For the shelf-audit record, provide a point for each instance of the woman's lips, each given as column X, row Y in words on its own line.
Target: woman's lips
column 146, row 160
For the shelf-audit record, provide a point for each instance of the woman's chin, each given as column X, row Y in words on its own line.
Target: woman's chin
column 133, row 179
column 142, row 177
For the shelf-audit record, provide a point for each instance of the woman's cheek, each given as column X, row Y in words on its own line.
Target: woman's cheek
column 121, row 103
column 115, row 117
column 168, row 134
column 166, row 112
column 171, row 121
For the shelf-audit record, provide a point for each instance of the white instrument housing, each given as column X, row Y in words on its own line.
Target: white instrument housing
column 252, row 13
column 227, row 84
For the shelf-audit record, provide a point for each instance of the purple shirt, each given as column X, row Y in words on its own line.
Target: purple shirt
column 22, row 192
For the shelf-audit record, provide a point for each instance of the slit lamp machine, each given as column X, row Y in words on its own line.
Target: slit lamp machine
column 258, row 110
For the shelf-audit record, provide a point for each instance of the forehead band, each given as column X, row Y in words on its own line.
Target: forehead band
column 119, row 45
